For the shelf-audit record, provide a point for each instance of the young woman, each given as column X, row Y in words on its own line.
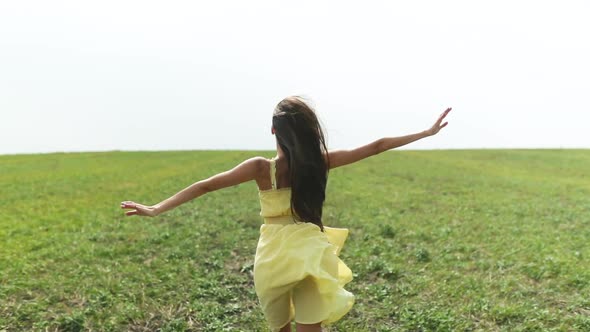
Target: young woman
column 297, row 273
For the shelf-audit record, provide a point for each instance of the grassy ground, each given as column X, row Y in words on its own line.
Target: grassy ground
column 480, row 240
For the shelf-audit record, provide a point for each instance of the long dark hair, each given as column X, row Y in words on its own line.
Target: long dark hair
column 300, row 136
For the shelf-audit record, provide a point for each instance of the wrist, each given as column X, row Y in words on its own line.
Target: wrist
column 157, row 209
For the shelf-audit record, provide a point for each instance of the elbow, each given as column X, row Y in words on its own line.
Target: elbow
column 202, row 188
column 379, row 147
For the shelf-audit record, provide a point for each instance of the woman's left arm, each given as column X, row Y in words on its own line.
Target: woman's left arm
column 244, row 172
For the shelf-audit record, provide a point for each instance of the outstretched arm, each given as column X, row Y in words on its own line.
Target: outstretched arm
column 344, row 157
column 245, row 171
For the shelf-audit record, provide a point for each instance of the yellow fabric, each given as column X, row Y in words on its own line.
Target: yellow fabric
column 275, row 203
column 297, row 272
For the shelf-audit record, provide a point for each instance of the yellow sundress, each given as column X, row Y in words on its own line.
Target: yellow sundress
column 297, row 272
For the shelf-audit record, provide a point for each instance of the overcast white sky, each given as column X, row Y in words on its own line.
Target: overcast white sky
column 159, row 75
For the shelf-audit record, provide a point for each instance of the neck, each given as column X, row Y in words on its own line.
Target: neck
column 280, row 153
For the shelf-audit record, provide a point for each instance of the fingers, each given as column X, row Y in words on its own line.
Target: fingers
column 137, row 209
column 443, row 114
column 441, row 118
column 131, row 213
column 130, row 205
column 127, row 205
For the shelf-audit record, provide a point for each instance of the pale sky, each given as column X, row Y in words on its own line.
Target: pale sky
column 187, row 75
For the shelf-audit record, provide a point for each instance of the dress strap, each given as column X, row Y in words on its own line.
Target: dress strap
column 273, row 172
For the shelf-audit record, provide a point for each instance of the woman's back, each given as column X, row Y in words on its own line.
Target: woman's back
column 275, row 201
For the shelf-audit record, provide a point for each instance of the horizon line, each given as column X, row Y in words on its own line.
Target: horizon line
column 269, row 150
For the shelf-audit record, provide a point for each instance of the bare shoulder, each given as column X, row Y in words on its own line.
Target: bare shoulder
column 252, row 166
column 326, row 156
column 258, row 160
column 259, row 164
column 260, row 167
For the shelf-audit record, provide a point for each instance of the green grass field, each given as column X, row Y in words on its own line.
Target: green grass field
column 462, row 240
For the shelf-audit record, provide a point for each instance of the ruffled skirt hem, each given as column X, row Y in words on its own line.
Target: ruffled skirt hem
column 298, row 274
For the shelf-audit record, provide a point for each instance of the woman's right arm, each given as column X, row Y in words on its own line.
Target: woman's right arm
column 344, row 157
column 246, row 171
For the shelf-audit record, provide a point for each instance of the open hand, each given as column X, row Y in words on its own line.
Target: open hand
column 436, row 127
column 138, row 209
